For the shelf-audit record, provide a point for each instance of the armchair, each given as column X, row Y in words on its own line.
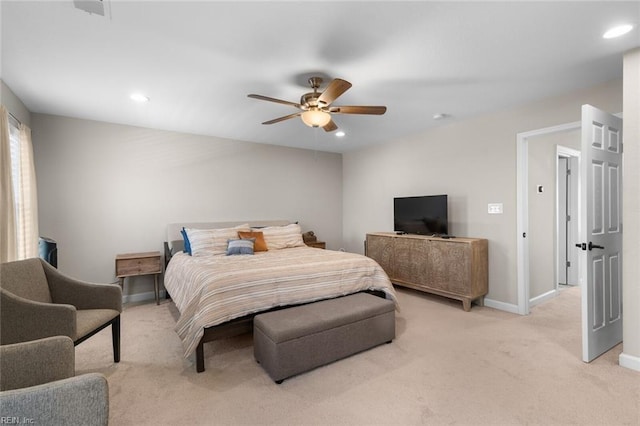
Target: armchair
column 38, row 301
column 37, row 385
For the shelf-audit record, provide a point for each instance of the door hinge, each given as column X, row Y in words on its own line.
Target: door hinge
column 568, row 264
column 568, row 218
column 568, row 171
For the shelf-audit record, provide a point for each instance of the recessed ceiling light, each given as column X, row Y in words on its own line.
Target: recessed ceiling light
column 340, row 134
column 139, row 97
column 618, row 31
column 440, row 116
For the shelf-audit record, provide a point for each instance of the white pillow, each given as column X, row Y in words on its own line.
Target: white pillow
column 212, row 242
column 280, row 237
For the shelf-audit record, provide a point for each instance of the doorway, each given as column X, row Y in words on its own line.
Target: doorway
column 567, row 216
column 538, row 227
column 569, row 147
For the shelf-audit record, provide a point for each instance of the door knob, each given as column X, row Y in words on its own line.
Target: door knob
column 592, row 246
column 583, row 246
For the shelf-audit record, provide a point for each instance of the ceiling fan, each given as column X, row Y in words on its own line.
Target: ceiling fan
column 315, row 107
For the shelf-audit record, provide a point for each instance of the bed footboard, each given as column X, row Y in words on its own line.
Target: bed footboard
column 240, row 326
column 232, row 328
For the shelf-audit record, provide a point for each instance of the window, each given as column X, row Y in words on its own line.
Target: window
column 19, row 215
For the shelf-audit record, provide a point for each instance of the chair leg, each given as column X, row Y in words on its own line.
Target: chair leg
column 115, row 335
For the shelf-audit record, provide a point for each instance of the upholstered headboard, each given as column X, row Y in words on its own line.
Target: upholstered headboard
column 175, row 243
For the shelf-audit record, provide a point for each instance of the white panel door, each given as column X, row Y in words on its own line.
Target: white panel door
column 601, row 231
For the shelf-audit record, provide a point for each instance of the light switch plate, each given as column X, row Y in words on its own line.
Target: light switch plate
column 494, row 208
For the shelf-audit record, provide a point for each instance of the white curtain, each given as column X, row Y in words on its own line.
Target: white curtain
column 8, row 248
column 27, row 205
column 18, row 195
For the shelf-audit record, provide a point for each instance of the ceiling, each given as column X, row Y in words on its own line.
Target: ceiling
column 197, row 61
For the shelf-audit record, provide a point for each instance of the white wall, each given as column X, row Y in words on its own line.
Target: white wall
column 474, row 162
column 106, row 189
column 631, row 212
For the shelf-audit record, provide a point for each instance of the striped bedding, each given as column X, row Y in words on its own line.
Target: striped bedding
column 211, row 290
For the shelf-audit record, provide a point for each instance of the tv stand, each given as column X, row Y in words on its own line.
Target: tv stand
column 452, row 267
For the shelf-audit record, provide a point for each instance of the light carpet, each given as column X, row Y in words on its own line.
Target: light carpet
column 446, row 366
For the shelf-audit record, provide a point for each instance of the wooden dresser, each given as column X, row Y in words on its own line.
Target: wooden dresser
column 456, row 267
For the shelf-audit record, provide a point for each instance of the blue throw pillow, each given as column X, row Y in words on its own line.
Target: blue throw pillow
column 187, row 244
column 241, row 246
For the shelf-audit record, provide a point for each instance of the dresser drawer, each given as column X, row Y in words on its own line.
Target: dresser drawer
column 129, row 266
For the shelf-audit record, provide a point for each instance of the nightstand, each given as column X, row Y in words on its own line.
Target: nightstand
column 134, row 264
column 317, row 244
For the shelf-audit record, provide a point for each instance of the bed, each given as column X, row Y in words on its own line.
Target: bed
column 217, row 295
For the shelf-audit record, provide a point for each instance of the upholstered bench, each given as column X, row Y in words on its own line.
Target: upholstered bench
column 294, row 340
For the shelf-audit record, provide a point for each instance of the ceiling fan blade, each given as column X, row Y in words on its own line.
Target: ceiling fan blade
column 330, row 126
column 279, row 101
column 336, row 88
column 279, row 119
column 373, row 110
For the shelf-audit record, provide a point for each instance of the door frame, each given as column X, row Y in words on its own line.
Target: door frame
column 569, row 153
column 522, row 206
column 522, row 202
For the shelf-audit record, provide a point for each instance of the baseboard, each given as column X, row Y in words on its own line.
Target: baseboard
column 508, row 307
column 629, row 361
column 542, row 298
column 142, row 297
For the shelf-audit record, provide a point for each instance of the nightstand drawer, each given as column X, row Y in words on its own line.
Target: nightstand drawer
column 126, row 267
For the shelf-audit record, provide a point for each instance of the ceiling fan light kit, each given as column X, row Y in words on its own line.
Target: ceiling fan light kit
column 316, row 107
column 315, row 118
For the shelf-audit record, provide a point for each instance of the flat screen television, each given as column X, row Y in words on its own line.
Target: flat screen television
column 425, row 215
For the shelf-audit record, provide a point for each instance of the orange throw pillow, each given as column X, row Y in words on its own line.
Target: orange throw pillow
column 260, row 244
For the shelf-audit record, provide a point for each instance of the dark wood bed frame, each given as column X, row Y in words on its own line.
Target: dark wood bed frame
column 233, row 327
column 239, row 326
column 225, row 330
column 229, row 329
